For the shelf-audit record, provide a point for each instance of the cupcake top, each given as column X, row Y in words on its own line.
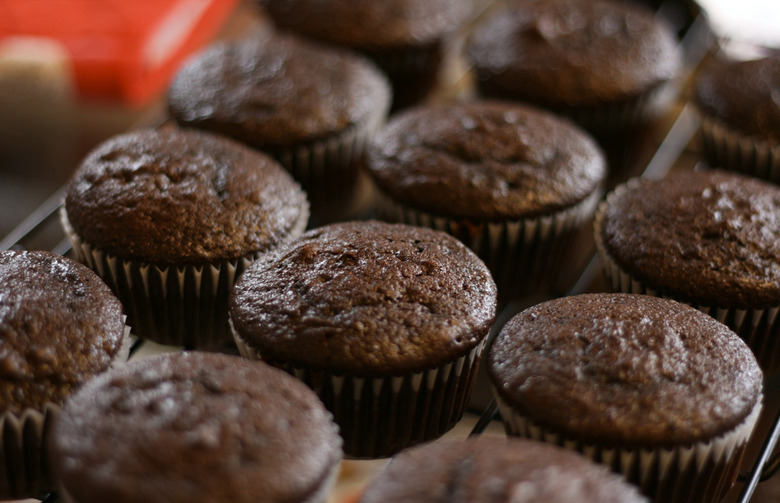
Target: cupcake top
column 496, row 470
column 194, row 427
column 572, row 53
column 367, row 25
column 60, row 325
column 277, row 92
column 366, row 298
column 622, row 369
column 744, row 95
column 708, row 237
column 487, row 160
column 173, row 196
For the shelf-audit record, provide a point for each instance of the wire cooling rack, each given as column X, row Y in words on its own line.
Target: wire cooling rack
column 666, row 151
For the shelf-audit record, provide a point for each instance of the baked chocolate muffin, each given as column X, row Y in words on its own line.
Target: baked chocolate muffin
column 739, row 106
column 195, row 427
column 405, row 38
column 385, row 321
column 169, row 218
column 513, row 182
column 710, row 239
column 310, row 106
column 653, row 388
column 60, row 325
column 604, row 63
column 496, row 470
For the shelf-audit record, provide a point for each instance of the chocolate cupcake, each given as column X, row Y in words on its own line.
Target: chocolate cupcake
column 739, row 107
column 512, row 182
column 311, row 107
column 60, row 325
column 386, row 322
column 169, row 218
column 496, row 470
column 710, row 239
column 603, row 63
column 195, row 428
column 651, row 387
column 407, row 39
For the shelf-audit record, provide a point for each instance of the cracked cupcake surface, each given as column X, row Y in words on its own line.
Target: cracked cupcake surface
column 176, row 196
column 367, row 298
column 570, row 53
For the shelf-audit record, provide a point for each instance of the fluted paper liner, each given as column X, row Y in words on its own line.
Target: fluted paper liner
column 329, row 168
column 696, row 473
column 759, row 328
column 727, row 148
column 24, row 459
column 523, row 255
column 379, row 416
column 171, row 305
column 413, row 71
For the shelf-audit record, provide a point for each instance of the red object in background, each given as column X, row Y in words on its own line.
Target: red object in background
column 125, row 50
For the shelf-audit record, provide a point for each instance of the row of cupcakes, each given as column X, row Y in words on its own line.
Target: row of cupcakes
column 652, row 388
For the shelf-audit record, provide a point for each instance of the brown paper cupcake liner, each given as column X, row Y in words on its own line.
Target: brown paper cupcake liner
column 727, row 148
column 322, row 494
column 625, row 116
column 379, row 416
column 524, row 256
column 607, row 120
column 174, row 306
column 328, row 169
column 697, row 473
column 24, row 460
column 759, row 328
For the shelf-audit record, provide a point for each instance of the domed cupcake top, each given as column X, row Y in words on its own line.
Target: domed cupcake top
column 710, row 237
column 59, row 326
column 177, row 196
column 496, row 470
column 488, row 160
column 367, row 298
column 573, row 53
column 370, row 25
column 278, row 91
column 197, row 427
column 621, row 369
